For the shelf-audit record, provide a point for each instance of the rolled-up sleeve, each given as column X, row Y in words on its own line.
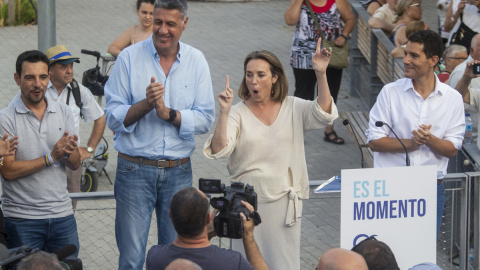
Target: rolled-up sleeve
column 457, row 124
column 380, row 112
column 314, row 117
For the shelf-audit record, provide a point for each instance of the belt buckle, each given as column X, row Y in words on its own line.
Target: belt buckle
column 158, row 163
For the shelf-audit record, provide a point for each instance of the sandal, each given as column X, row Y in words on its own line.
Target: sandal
column 335, row 140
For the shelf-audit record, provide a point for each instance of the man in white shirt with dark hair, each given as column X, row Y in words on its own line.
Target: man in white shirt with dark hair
column 427, row 115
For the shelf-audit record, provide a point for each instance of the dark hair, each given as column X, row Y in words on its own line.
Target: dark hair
column 188, row 211
column 139, row 3
column 180, row 5
column 432, row 42
column 33, row 56
column 377, row 254
column 280, row 88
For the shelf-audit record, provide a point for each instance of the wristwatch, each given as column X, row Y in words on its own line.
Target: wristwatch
column 90, row 149
column 173, row 116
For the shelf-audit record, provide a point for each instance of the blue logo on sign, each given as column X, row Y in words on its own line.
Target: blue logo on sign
column 361, row 237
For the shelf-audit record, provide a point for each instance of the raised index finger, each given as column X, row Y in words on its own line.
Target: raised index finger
column 227, row 84
column 319, row 43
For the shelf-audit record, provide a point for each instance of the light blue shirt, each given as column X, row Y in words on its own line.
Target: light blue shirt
column 188, row 89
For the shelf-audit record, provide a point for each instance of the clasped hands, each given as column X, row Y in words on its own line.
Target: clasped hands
column 155, row 92
column 422, row 135
column 66, row 146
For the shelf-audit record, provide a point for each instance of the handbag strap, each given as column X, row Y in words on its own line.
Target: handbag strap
column 315, row 19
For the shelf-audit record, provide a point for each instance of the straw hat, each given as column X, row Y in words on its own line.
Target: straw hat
column 60, row 54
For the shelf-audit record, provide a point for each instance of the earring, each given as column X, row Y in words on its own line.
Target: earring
column 272, row 93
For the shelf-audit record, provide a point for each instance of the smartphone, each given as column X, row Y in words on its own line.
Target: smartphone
column 476, row 69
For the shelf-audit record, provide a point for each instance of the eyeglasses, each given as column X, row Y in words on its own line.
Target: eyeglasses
column 458, row 58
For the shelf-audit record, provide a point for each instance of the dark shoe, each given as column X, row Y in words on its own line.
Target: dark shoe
column 335, row 139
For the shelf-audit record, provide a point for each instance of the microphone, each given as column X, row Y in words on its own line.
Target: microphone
column 345, row 123
column 65, row 251
column 407, row 158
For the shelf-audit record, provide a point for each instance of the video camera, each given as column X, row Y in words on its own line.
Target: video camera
column 228, row 222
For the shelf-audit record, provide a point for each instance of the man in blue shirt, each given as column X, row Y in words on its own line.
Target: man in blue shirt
column 159, row 95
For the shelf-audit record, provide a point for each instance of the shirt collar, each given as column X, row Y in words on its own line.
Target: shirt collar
column 21, row 108
column 154, row 52
column 438, row 89
column 50, row 86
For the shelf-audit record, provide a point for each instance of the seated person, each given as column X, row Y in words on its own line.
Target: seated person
column 408, row 11
column 452, row 57
column 411, row 28
column 135, row 33
column 371, row 5
column 341, row 259
column 189, row 212
column 385, row 17
column 377, row 254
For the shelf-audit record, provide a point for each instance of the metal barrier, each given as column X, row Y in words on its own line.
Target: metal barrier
column 371, row 65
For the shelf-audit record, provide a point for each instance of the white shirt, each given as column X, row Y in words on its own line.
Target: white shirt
column 90, row 110
column 401, row 107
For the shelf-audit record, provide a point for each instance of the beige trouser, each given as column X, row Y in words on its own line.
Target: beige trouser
column 73, row 182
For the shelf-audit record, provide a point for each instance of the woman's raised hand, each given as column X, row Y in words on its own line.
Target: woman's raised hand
column 321, row 58
column 225, row 98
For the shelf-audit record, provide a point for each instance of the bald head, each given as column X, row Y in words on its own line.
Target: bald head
column 341, row 259
column 475, row 47
column 182, row 264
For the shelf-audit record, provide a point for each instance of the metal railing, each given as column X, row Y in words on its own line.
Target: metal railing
column 371, row 64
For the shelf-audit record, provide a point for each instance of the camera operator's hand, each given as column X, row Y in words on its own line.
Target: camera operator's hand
column 251, row 249
column 248, row 223
column 210, row 230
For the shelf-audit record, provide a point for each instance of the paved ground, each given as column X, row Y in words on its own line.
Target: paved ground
column 225, row 32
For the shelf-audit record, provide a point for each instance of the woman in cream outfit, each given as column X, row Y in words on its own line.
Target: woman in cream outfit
column 263, row 137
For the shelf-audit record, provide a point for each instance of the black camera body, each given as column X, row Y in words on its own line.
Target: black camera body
column 476, row 69
column 228, row 222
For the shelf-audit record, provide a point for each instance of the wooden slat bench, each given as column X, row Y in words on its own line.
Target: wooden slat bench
column 359, row 123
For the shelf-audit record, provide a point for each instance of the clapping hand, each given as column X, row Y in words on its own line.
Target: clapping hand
column 7, row 148
column 64, row 147
column 321, row 58
column 422, row 135
column 225, row 98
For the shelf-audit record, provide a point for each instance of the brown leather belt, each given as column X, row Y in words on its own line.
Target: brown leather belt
column 161, row 163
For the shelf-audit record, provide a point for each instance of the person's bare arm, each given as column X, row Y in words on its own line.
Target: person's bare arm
column 95, row 137
column 292, row 15
column 252, row 251
column 392, row 145
column 380, row 24
column 464, row 82
column 123, row 41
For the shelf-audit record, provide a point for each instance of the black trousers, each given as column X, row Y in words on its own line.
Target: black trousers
column 305, row 81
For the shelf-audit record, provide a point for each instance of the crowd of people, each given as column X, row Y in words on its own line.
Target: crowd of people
column 159, row 96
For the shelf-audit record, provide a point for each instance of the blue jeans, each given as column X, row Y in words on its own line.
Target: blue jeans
column 45, row 234
column 138, row 190
column 440, row 205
